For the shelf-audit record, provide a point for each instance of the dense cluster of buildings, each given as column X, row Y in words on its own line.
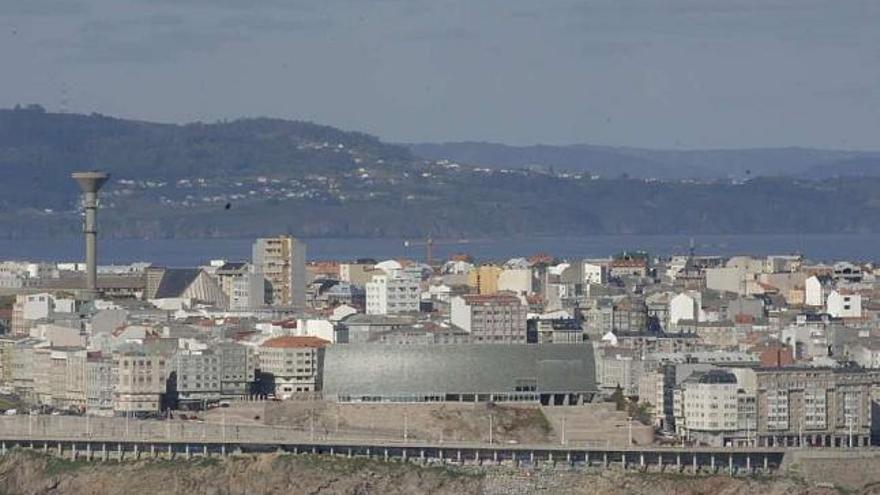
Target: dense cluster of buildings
column 714, row 350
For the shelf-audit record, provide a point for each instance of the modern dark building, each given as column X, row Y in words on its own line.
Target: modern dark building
column 552, row 374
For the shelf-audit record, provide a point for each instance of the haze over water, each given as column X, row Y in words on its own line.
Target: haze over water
column 186, row 252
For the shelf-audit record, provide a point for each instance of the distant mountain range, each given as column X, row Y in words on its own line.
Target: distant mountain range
column 611, row 162
column 252, row 177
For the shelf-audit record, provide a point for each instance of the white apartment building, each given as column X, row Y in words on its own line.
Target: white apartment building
column 294, row 364
column 60, row 377
column 516, row 280
column 816, row 289
column 716, row 409
column 685, row 306
column 844, row 305
column 28, row 308
column 395, row 291
column 595, row 272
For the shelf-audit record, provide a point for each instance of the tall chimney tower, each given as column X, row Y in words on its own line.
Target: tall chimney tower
column 90, row 182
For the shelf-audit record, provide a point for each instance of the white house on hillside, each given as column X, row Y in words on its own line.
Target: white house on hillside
column 684, row 306
column 816, row 289
column 844, row 305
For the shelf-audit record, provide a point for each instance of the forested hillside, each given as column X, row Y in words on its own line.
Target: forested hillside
column 257, row 176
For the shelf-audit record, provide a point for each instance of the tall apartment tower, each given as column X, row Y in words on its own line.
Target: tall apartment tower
column 282, row 263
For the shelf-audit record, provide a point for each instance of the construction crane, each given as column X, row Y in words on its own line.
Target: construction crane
column 429, row 244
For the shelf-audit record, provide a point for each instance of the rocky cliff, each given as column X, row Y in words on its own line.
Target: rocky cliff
column 36, row 474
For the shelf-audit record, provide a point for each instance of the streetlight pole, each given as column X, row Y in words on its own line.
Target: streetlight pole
column 849, row 423
column 801, row 434
column 490, row 429
column 563, row 430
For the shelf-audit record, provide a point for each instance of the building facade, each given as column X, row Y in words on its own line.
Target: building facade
column 141, row 382
column 550, row 374
column 292, row 364
column 282, row 262
column 498, row 318
column 394, row 291
column 825, row 407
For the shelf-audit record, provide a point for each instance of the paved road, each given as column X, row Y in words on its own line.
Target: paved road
column 94, row 429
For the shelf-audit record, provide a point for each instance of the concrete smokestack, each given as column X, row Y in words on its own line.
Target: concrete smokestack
column 90, row 183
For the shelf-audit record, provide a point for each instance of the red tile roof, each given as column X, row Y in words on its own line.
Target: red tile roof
column 540, row 258
column 324, row 267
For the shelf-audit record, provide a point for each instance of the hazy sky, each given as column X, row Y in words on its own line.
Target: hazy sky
column 658, row 73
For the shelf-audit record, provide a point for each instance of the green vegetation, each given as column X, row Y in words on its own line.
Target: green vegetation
column 9, row 403
column 332, row 183
column 543, row 423
column 50, row 464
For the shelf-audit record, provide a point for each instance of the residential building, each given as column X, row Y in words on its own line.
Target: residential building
column 141, row 382
column 237, row 365
column 498, row 318
column 844, row 271
column 715, row 409
column 595, row 272
column 628, row 265
column 29, row 308
column 396, row 290
column 282, row 262
column 618, row 368
column 361, row 328
column 485, row 279
column 342, row 293
column 816, row 289
column 22, row 364
column 220, row 371
column 197, row 378
column 60, row 377
column 647, row 343
column 684, row 306
column 844, row 304
column 358, row 273
column 515, row 280
column 243, row 285
column 825, row 407
column 559, row 330
column 292, row 364
column 101, row 382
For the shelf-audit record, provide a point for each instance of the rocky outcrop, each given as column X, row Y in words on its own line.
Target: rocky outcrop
column 29, row 473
